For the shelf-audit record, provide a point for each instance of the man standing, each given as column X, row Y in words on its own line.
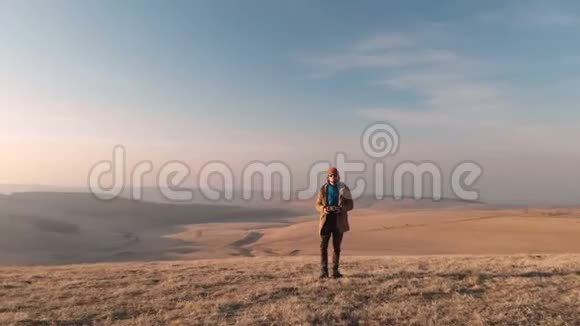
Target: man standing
column 333, row 202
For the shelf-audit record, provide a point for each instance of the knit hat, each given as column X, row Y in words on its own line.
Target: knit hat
column 332, row 171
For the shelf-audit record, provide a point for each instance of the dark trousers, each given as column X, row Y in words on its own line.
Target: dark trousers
column 329, row 230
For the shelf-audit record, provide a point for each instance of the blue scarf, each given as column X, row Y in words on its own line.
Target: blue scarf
column 332, row 195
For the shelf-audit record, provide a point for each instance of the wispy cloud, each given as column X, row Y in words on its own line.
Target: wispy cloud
column 450, row 90
column 526, row 14
column 382, row 51
column 385, row 42
column 449, row 87
column 394, row 58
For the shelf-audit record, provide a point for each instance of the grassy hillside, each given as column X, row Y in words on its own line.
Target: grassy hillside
column 479, row 290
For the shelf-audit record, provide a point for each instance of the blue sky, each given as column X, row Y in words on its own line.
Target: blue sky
column 458, row 79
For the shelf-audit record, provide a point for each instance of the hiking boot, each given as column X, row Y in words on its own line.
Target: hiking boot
column 335, row 264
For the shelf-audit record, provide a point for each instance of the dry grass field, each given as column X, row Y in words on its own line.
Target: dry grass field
column 418, row 290
column 418, row 263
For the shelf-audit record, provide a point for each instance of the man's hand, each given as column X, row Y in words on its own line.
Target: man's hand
column 337, row 210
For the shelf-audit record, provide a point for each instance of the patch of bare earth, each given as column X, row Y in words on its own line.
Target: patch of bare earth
column 436, row 290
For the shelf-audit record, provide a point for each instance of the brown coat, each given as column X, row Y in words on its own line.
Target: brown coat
column 344, row 201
